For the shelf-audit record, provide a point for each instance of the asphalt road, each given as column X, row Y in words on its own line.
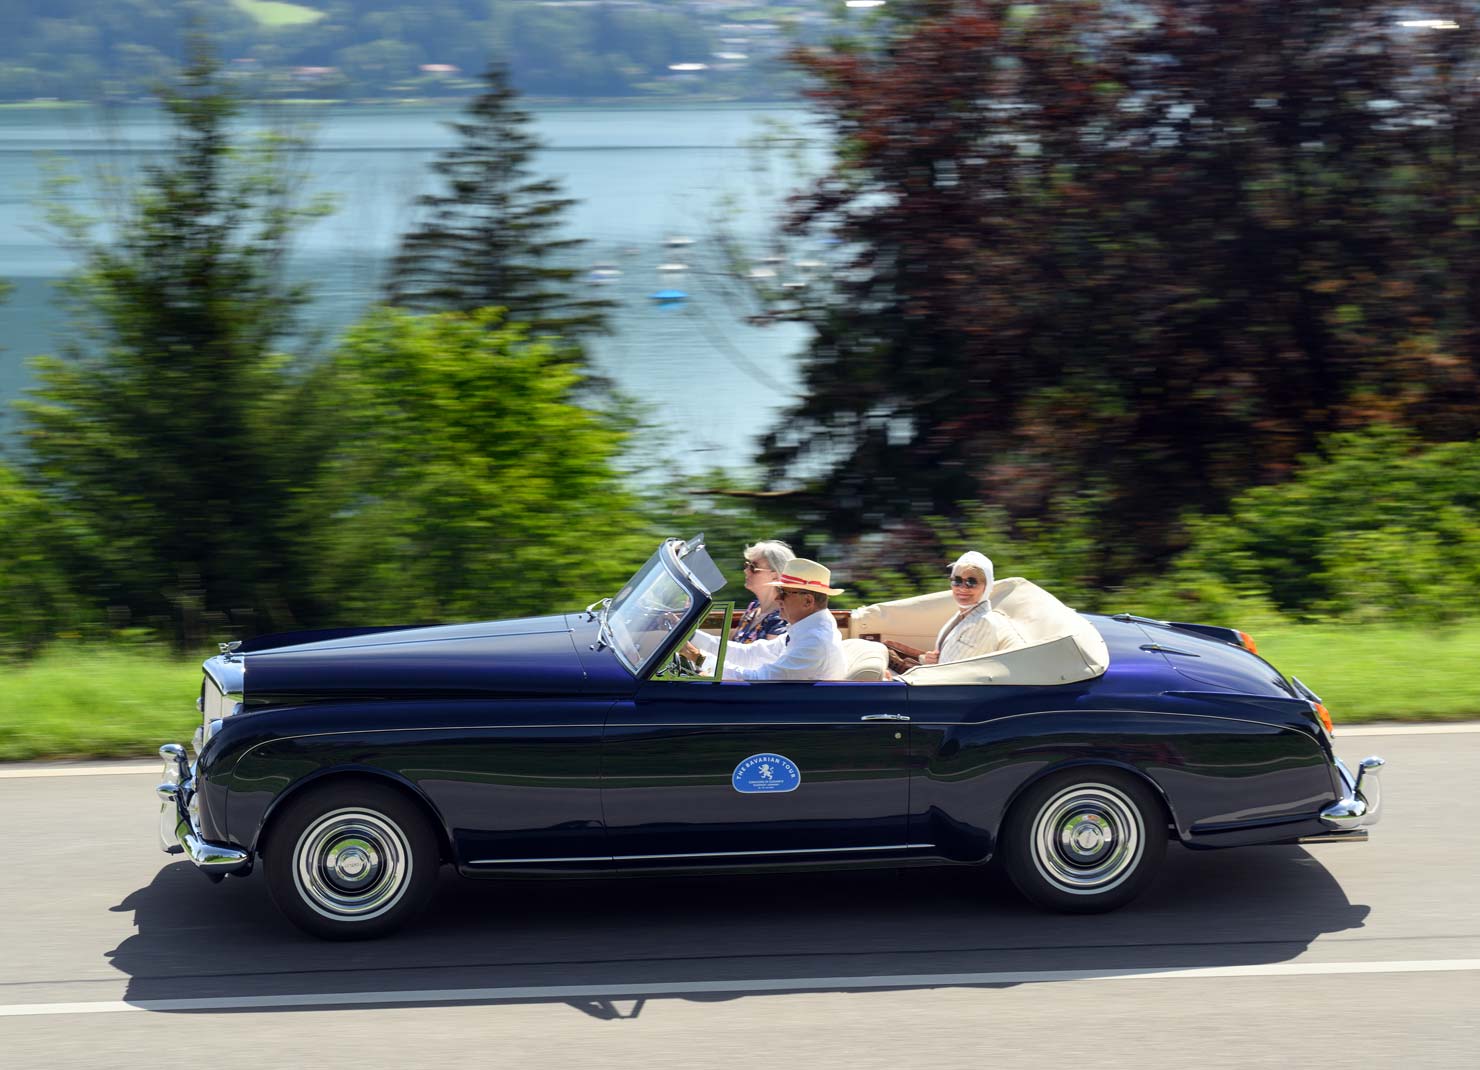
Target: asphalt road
column 1326, row 955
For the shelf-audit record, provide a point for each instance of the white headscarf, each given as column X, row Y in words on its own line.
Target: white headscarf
column 976, row 560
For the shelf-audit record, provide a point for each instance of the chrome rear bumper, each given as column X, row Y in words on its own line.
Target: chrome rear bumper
column 1360, row 804
column 178, row 830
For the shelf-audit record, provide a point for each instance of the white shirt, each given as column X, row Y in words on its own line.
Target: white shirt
column 811, row 649
column 983, row 630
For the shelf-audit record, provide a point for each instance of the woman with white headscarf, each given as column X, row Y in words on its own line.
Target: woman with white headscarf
column 976, row 628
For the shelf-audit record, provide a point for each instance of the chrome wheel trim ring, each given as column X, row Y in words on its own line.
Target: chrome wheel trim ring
column 352, row 865
column 1087, row 839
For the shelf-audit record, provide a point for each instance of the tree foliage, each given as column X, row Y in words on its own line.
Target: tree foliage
column 1151, row 255
column 1376, row 526
column 157, row 431
column 466, row 481
column 489, row 236
column 39, row 595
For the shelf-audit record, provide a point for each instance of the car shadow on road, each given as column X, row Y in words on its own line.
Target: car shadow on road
column 610, row 936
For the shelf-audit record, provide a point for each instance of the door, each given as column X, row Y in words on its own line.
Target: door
column 738, row 771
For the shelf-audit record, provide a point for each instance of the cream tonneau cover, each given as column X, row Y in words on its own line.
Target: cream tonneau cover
column 1062, row 645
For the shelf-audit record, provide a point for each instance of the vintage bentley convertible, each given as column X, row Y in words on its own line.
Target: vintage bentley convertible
column 353, row 764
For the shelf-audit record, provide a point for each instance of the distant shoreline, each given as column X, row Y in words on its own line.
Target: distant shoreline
column 644, row 103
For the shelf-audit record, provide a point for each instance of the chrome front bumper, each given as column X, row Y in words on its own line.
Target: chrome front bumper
column 178, row 828
column 1360, row 804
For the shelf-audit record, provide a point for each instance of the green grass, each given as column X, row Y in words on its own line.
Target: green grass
column 273, row 13
column 1383, row 672
column 83, row 702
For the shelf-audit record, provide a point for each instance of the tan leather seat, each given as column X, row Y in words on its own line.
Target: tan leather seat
column 1062, row 645
column 915, row 621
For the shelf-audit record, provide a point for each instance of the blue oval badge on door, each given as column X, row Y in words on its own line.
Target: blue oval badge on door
column 762, row 773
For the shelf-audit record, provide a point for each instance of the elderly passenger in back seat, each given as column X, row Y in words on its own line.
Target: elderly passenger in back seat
column 976, row 628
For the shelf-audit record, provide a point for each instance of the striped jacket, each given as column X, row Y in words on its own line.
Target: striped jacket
column 983, row 630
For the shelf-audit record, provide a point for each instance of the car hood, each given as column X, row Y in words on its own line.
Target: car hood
column 528, row 656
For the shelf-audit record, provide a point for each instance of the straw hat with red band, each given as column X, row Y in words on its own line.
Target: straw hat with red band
column 803, row 575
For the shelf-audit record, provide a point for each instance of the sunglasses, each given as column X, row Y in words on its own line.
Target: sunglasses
column 782, row 593
column 965, row 581
column 751, row 566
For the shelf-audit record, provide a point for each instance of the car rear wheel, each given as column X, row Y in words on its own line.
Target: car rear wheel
column 1084, row 840
column 351, row 860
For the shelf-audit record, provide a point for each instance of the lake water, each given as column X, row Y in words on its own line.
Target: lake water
column 640, row 178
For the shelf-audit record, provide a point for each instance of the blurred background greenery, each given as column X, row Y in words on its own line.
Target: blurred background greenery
column 1173, row 310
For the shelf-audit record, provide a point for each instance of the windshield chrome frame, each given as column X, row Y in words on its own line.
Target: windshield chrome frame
column 668, row 558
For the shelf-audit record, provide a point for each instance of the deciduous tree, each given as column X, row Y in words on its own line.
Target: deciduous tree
column 1149, row 253
column 466, row 481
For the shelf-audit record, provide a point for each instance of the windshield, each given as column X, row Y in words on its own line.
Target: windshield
column 645, row 612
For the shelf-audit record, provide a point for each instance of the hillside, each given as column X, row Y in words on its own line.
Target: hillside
column 377, row 49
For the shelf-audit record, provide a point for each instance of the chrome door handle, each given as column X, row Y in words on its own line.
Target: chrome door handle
column 883, row 717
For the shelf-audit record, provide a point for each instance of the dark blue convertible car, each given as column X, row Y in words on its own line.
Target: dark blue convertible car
column 353, row 764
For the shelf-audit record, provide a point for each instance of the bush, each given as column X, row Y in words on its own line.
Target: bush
column 1375, row 527
column 466, row 482
column 37, row 599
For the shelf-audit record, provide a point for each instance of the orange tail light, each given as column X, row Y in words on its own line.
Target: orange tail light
column 1248, row 642
column 1325, row 716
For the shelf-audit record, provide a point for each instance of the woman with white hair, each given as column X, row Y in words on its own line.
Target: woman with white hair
column 976, row 628
column 762, row 619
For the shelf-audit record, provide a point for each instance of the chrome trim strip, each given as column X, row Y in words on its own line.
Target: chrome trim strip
column 775, row 724
column 1157, row 713
column 624, row 724
column 533, row 861
column 705, row 854
column 768, row 854
column 1354, row 836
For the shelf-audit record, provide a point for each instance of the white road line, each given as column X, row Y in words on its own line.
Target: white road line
column 655, row 990
column 23, row 772
column 1343, row 732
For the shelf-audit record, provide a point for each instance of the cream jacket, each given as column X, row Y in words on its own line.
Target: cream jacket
column 984, row 630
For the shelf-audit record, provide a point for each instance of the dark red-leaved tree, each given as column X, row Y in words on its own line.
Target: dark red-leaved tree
column 1143, row 254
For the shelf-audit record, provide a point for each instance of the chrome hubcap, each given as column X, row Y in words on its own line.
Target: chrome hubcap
column 1087, row 839
column 1084, row 837
column 352, row 865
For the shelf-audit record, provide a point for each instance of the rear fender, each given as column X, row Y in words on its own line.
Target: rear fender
column 1088, row 764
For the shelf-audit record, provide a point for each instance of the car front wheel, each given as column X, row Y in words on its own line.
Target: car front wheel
column 351, row 860
column 1084, row 840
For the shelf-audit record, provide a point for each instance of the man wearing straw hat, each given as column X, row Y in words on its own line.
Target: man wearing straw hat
column 811, row 649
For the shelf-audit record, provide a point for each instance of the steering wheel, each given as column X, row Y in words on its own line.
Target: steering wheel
column 682, row 666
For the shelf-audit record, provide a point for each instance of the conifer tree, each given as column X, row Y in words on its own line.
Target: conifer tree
column 488, row 235
column 154, row 436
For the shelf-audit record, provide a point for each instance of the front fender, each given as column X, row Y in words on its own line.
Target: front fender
column 260, row 822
